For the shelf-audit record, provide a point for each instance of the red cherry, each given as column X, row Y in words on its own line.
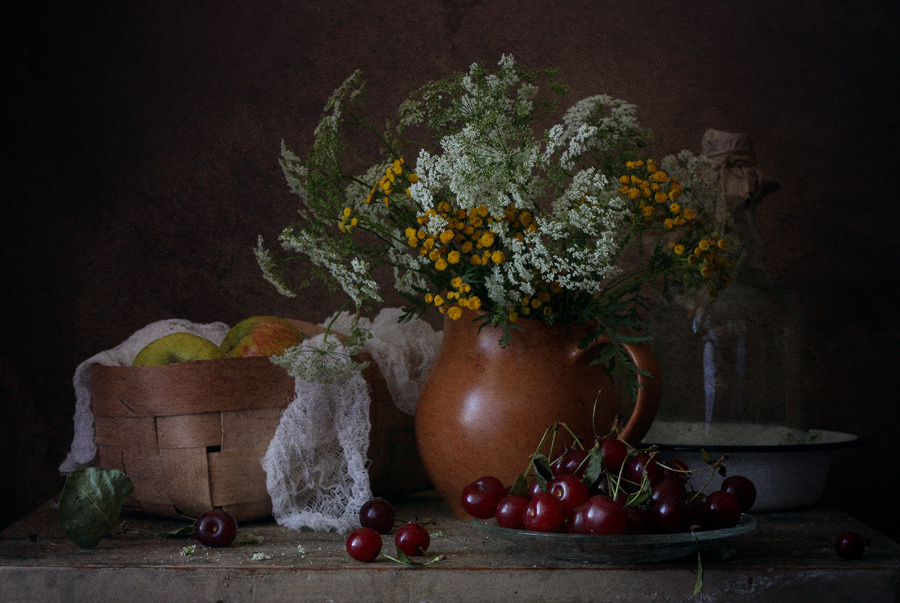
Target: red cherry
column 378, row 514
column 641, row 463
column 615, row 452
column 668, row 486
column 479, row 499
column 724, row 509
column 742, row 488
column 850, row 545
column 601, row 486
column 669, row 514
column 364, row 544
column 575, row 521
column 215, row 527
column 511, row 511
column 698, row 514
column 412, row 539
column 570, row 490
column 572, row 462
column 603, row 515
column 544, row 513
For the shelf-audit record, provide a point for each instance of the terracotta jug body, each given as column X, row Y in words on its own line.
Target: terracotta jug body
column 483, row 408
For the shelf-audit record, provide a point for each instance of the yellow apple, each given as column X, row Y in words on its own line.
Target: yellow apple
column 177, row 347
column 260, row 336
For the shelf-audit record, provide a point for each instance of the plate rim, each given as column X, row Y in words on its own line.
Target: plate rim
column 746, row 524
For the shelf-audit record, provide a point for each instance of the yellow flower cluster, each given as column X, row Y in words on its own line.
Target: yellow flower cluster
column 539, row 303
column 395, row 178
column 713, row 267
column 454, row 302
column 656, row 196
column 467, row 240
column 348, row 221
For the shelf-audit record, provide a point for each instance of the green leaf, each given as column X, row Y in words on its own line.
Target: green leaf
column 543, row 473
column 90, row 503
column 182, row 532
column 520, row 486
column 594, row 465
column 698, row 585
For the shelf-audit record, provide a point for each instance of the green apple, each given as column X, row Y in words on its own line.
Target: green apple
column 260, row 336
column 177, row 347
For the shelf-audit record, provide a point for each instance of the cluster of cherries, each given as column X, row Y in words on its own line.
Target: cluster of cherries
column 377, row 517
column 610, row 489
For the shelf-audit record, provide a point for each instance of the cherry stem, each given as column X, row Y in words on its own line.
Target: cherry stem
column 712, row 471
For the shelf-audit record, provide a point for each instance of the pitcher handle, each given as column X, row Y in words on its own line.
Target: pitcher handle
column 649, row 391
column 646, row 402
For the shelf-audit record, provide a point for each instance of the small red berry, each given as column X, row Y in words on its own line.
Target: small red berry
column 850, row 545
column 412, row 539
column 544, row 513
column 215, row 527
column 364, row 545
column 724, row 509
column 479, row 499
column 511, row 511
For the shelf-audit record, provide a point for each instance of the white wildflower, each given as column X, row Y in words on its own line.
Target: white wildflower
column 295, row 173
column 272, row 269
column 321, row 359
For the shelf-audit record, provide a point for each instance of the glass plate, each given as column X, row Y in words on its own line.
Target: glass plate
column 615, row 549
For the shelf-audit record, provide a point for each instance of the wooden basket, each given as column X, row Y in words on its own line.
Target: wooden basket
column 190, row 435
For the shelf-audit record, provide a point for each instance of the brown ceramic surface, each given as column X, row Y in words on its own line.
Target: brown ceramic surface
column 484, row 408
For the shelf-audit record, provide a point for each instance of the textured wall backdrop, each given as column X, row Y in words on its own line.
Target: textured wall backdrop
column 140, row 146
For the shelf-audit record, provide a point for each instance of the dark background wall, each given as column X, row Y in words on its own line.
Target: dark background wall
column 140, row 144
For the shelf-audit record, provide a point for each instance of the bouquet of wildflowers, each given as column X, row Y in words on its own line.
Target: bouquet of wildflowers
column 476, row 207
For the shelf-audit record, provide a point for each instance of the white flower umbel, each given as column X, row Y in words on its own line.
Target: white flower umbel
column 320, row 360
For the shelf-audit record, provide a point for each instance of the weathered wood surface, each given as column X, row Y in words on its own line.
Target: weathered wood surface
column 789, row 557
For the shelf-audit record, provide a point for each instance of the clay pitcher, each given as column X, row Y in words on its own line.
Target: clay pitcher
column 483, row 408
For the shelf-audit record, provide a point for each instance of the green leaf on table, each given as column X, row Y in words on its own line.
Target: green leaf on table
column 182, row 532
column 90, row 503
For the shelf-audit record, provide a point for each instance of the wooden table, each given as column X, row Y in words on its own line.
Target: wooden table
column 788, row 557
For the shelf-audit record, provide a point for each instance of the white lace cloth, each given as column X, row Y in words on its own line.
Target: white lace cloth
column 316, row 462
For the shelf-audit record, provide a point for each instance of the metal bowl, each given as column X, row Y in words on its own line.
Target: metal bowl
column 788, row 467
